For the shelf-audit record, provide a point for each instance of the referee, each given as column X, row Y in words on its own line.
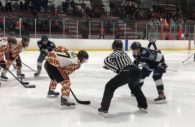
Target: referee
column 152, row 41
column 119, row 62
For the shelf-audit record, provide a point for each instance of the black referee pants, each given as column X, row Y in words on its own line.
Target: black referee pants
column 154, row 45
column 131, row 76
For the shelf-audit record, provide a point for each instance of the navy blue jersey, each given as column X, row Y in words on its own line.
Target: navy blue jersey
column 45, row 48
column 151, row 57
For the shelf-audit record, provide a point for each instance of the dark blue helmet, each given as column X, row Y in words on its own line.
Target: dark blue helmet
column 44, row 38
column 136, row 45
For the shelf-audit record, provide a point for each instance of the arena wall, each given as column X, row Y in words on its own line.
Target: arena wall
column 103, row 45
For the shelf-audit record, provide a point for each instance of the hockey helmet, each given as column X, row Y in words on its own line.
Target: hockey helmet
column 25, row 41
column 44, row 38
column 135, row 45
column 117, row 45
column 83, row 56
column 11, row 40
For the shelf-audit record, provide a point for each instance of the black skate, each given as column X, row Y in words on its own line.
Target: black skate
column 66, row 104
column 143, row 109
column 52, row 94
column 20, row 75
column 102, row 112
column 3, row 77
column 160, row 100
column 36, row 74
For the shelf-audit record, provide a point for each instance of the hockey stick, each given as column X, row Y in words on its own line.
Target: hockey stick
column 171, row 70
column 28, row 67
column 187, row 58
column 79, row 101
column 25, row 84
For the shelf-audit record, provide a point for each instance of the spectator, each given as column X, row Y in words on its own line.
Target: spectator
column 1, row 6
column 102, row 32
column 168, row 36
column 112, row 6
column 8, row 6
column 18, row 26
column 45, row 5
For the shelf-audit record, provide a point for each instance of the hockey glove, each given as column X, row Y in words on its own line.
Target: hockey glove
column 162, row 67
column 136, row 62
column 105, row 67
column 45, row 51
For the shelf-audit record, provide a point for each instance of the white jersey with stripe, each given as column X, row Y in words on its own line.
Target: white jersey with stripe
column 67, row 58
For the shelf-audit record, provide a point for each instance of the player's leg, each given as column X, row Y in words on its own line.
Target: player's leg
column 157, row 77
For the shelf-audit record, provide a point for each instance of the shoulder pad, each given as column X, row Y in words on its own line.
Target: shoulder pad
column 144, row 51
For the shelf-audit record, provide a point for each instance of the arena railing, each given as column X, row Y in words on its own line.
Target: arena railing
column 94, row 29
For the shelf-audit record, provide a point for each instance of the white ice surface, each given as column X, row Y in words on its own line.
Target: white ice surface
column 22, row 107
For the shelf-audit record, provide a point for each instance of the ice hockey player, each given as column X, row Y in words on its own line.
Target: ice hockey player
column 126, row 73
column 152, row 41
column 9, row 44
column 45, row 46
column 13, row 55
column 60, row 63
column 152, row 61
column 3, row 49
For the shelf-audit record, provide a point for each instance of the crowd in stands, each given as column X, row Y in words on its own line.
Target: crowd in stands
column 126, row 11
column 67, row 7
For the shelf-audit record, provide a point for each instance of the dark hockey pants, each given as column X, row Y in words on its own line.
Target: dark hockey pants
column 157, row 77
column 130, row 75
column 40, row 60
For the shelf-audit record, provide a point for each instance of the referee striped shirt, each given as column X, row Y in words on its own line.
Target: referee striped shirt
column 117, row 60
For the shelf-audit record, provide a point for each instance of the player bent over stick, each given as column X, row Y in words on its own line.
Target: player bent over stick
column 9, row 44
column 13, row 55
column 152, row 61
column 60, row 63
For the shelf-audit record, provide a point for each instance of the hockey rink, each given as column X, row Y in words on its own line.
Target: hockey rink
column 26, row 107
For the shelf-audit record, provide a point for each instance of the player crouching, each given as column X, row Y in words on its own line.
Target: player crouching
column 60, row 63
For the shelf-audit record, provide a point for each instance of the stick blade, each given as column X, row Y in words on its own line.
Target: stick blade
column 84, row 102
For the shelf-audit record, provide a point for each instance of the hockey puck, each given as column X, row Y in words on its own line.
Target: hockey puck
column 25, row 83
column 30, row 86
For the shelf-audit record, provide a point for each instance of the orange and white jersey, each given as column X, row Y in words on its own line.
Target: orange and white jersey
column 15, row 51
column 3, row 50
column 66, row 58
column 19, row 46
column 60, row 56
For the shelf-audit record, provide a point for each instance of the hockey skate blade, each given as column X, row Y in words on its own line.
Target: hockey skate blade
column 105, row 115
column 52, row 96
column 143, row 110
column 64, row 107
column 2, row 79
column 36, row 76
column 29, row 86
column 21, row 77
column 160, row 102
